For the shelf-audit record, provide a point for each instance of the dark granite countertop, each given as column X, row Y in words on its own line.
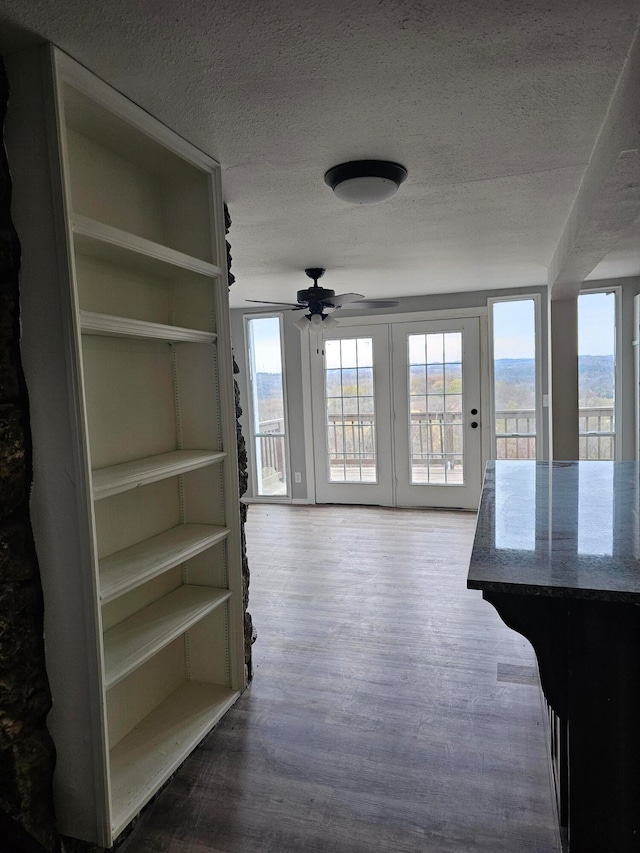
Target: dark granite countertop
column 568, row 529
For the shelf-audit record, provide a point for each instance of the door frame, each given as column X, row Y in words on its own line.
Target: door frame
column 307, row 342
column 382, row 491
column 409, row 493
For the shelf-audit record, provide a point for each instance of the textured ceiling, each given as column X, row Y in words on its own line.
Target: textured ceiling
column 493, row 107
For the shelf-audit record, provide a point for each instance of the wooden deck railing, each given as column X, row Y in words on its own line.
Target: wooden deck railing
column 272, row 453
column 351, row 438
column 441, row 434
column 515, row 433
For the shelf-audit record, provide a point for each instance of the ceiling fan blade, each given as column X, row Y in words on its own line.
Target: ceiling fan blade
column 376, row 303
column 343, row 298
column 265, row 302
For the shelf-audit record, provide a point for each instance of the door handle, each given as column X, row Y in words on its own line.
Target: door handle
column 474, row 424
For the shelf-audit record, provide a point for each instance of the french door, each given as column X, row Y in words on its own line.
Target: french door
column 352, row 417
column 436, row 400
column 396, row 412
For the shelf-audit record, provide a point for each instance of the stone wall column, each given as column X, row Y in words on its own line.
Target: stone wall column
column 27, row 754
column 243, row 475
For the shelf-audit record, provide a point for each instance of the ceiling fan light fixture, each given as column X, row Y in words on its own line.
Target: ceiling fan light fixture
column 365, row 181
column 302, row 323
column 329, row 322
column 315, row 323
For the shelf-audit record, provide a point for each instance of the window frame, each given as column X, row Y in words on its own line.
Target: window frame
column 251, row 455
column 491, row 301
column 616, row 290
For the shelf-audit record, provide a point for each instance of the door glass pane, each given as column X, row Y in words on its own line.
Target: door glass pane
column 417, row 344
column 365, row 352
column 453, row 378
column 435, row 406
column 435, row 348
column 332, row 354
column 333, row 382
column 365, row 381
column 596, row 374
column 349, row 411
column 348, row 353
column 452, row 347
column 514, row 378
column 268, row 413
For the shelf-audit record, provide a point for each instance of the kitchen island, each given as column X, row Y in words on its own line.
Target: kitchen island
column 556, row 552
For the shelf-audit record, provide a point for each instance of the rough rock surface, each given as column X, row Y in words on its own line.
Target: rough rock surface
column 243, row 474
column 27, row 755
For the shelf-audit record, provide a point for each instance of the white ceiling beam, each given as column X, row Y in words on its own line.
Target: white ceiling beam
column 608, row 201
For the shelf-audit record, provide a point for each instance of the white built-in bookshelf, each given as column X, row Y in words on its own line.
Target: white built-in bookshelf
column 135, row 499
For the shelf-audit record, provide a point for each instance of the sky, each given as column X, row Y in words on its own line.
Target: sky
column 514, row 329
column 513, row 325
column 596, row 324
column 266, row 344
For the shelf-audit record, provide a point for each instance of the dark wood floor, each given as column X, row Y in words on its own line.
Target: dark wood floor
column 391, row 711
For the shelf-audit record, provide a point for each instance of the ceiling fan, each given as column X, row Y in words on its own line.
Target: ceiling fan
column 318, row 300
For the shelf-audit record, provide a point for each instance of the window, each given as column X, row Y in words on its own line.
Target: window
column 350, row 414
column 514, row 378
column 597, row 374
column 268, row 409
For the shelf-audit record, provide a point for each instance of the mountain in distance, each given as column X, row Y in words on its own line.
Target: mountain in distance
column 269, row 384
column 515, row 381
column 514, row 370
column 596, row 376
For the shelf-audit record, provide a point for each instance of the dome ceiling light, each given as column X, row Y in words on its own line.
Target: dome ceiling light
column 365, row 181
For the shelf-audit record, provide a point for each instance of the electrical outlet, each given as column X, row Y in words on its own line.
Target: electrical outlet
column 297, row 477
